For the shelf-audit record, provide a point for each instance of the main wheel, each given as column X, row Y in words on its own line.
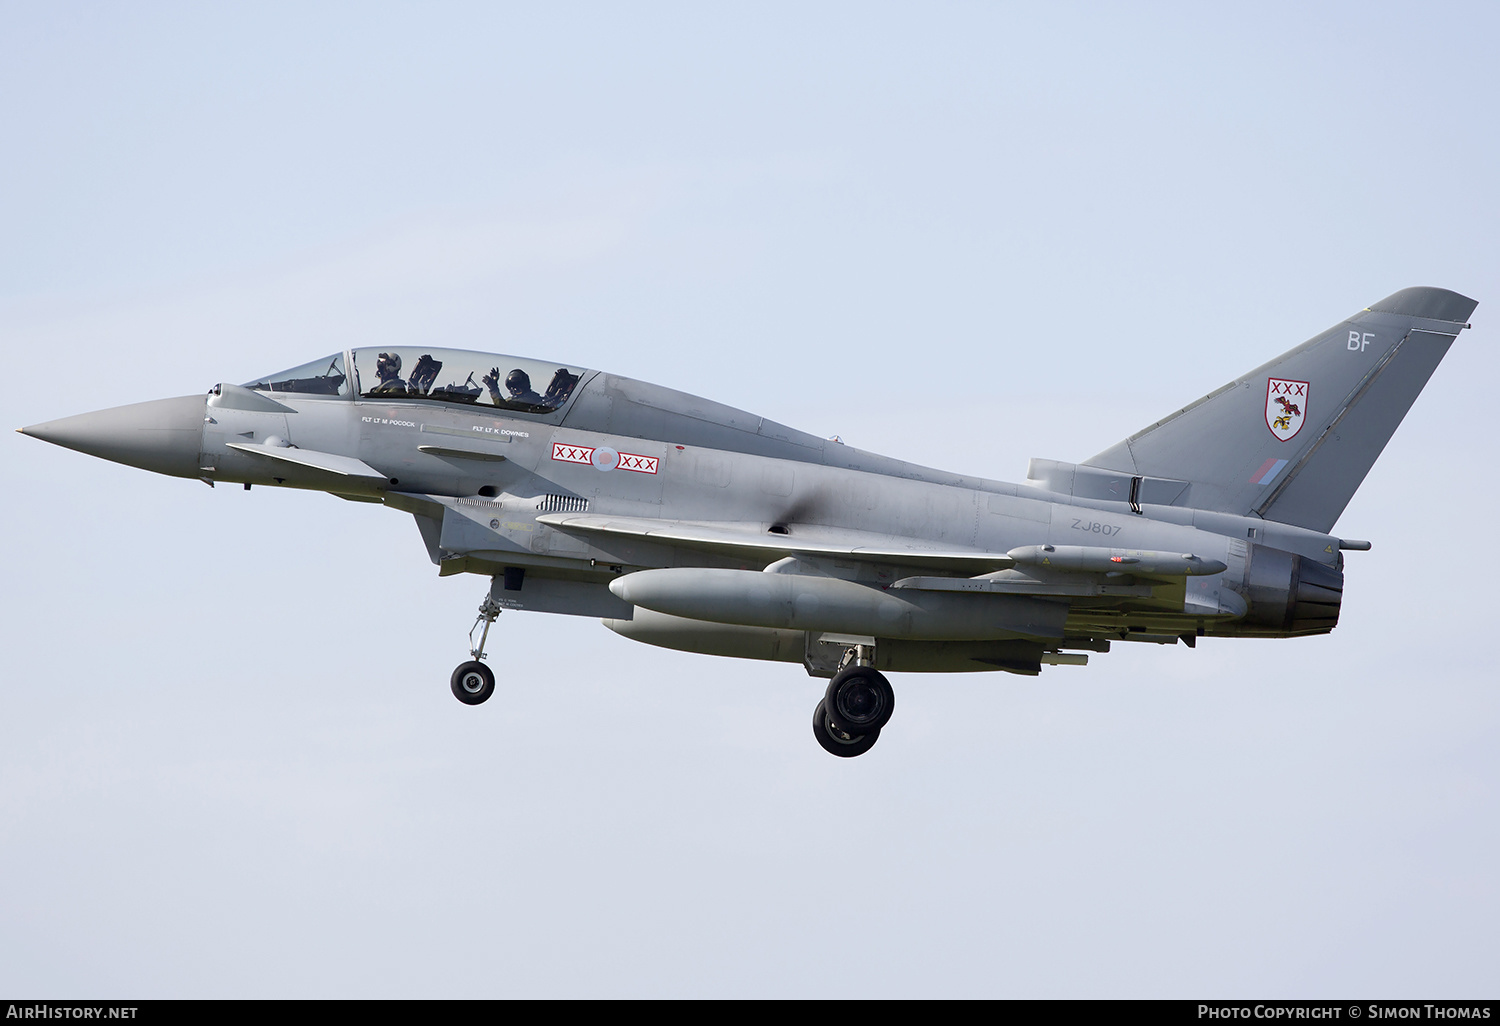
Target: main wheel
column 859, row 700
column 838, row 742
column 473, row 682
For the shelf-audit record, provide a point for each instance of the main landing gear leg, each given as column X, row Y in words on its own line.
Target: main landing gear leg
column 473, row 682
column 858, row 702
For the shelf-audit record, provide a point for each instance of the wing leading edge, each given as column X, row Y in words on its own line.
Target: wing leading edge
column 759, row 541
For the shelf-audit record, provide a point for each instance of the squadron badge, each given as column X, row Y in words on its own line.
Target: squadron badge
column 1286, row 407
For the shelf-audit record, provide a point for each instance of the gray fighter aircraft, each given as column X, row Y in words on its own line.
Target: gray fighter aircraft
column 690, row 525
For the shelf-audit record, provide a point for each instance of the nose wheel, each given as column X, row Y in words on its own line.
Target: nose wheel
column 473, row 682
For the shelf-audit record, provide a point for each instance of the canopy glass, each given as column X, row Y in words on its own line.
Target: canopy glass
column 446, row 375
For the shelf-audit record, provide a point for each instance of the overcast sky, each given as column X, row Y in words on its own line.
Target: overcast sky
column 961, row 234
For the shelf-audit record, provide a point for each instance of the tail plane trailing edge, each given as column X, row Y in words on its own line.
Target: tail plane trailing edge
column 1293, row 439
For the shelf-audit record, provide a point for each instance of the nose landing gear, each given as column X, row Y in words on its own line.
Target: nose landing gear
column 473, row 682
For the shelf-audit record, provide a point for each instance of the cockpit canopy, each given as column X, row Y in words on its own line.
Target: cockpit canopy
column 321, row 377
column 446, row 375
column 456, row 376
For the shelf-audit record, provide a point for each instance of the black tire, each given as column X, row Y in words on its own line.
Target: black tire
column 473, row 683
column 836, row 742
column 859, row 699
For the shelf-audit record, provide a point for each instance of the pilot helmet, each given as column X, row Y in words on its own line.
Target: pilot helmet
column 387, row 364
column 518, row 381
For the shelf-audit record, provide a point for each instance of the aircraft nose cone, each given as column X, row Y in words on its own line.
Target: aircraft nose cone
column 164, row 436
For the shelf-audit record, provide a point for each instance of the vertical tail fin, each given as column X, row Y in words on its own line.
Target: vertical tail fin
column 1293, row 439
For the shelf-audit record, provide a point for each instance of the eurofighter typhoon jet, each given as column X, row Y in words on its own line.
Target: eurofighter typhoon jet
column 690, row 525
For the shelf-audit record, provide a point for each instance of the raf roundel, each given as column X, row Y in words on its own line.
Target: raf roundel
column 605, row 458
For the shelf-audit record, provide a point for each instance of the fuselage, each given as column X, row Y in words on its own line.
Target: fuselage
column 482, row 478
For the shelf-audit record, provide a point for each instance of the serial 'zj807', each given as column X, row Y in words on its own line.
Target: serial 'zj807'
column 690, row 525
